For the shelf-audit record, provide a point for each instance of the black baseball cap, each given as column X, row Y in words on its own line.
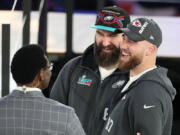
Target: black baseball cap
column 143, row 29
column 110, row 18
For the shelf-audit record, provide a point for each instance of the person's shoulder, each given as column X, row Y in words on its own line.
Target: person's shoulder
column 58, row 107
column 70, row 65
column 151, row 82
column 72, row 62
column 148, row 86
column 147, row 91
column 4, row 99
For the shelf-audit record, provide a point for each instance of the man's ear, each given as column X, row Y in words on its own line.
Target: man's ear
column 41, row 75
column 37, row 80
column 151, row 50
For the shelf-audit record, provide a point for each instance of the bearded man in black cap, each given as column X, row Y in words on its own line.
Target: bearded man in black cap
column 145, row 103
column 89, row 82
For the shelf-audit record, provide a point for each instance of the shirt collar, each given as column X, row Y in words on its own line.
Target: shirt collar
column 134, row 78
column 25, row 88
column 105, row 73
column 140, row 74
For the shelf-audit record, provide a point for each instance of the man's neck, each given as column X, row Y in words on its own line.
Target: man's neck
column 25, row 88
column 31, row 85
column 139, row 69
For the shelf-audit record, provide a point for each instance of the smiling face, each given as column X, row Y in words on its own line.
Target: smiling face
column 107, row 48
column 133, row 54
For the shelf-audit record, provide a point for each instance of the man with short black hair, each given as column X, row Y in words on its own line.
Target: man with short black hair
column 26, row 111
column 145, row 103
column 89, row 82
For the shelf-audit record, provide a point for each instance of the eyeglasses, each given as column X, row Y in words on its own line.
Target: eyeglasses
column 50, row 67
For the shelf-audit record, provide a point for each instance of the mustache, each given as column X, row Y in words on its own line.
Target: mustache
column 110, row 47
column 106, row 59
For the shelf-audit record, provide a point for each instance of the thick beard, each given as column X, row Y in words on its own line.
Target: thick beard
column 106, row 59
column 131, row 64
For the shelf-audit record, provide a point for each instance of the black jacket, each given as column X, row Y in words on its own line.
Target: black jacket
column 146, row 107
column 79, row 86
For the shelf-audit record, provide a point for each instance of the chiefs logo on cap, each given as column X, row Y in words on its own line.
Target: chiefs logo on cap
column 137, row 23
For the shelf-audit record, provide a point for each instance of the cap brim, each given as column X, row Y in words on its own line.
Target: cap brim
column 131, row 34
column 104, row 28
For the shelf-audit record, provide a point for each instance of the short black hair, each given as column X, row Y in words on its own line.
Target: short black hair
column 27, row 62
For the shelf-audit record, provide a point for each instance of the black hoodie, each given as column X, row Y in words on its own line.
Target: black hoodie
column 146, row 107
column 79, row 85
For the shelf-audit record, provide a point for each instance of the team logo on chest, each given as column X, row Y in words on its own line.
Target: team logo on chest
column 84, row 81
column 118, row 84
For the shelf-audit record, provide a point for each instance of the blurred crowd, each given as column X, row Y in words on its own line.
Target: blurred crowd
column 134, row 7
